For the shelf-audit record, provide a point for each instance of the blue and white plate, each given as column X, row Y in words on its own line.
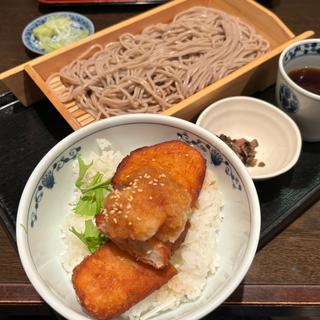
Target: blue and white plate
column 79, row 22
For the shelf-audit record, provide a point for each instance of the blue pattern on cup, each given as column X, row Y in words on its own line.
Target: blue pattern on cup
column 312, row 48
column 288, row 99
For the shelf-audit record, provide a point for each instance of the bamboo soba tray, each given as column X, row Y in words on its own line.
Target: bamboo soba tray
column 25, row 79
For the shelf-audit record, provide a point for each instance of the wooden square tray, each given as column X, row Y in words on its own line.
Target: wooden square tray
column 255, row 76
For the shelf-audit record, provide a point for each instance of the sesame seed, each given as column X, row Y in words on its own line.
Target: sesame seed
column 129, row 223
column 153, row 159
column 139, row 190
column 140, row 177
column 130, row 198
column 128, row 206
column 161, row 184
column 127, row 176
column 115, row 220
column 149, row 251
column 187, row 154
column 138, row 218
column 150, row 182
column 126, row 216
column 112, row 211
column 155, row 180
column 150, row 197
column 155, row 184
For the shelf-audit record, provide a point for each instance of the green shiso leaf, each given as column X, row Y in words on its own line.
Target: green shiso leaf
column 90, row 202
column 91, row 236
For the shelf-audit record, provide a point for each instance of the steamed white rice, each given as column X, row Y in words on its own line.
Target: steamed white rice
column 106, row 162
column 195, row 260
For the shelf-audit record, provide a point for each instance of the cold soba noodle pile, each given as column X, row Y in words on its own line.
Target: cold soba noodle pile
column 166, row 63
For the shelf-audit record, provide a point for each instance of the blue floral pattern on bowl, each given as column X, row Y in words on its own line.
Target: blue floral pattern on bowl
column 32, row 43
column 311, row 48
column 47, row 181
column 288, row 99
column 216, row 157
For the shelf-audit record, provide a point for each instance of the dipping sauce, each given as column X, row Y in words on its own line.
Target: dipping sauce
column 308, row 78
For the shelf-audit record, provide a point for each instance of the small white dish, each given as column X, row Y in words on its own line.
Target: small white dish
column 47, row 195
column 244, row 117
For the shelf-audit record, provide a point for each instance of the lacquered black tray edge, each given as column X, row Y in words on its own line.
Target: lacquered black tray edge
column 284, row 220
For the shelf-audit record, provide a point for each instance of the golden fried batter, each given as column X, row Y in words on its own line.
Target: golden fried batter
column 153, row 251
column 150, row 205
column 109, row 281
column 183, row 163
column 155, row 190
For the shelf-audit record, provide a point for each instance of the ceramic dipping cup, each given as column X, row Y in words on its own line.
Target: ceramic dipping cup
column 301, row 105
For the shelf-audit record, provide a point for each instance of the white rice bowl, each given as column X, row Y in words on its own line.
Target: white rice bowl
column 195, row 260
column 215, row 255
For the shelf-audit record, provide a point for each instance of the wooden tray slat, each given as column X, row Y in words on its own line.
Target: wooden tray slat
column 52, row 97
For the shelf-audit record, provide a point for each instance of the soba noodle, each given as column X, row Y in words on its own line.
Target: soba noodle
column 166, row 63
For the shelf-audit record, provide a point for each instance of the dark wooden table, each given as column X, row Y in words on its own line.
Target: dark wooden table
column 285, row 276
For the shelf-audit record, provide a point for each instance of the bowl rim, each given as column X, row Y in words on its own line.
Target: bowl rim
column 91, row 30
column 22, row 216
column 285, row 74
column 273, row 108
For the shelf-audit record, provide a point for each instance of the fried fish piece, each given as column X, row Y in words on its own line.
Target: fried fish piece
column 155, row 189
column 110, row 281
column 183, row 163
column 152, row 204
column 153, row 251
column 147, row 217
